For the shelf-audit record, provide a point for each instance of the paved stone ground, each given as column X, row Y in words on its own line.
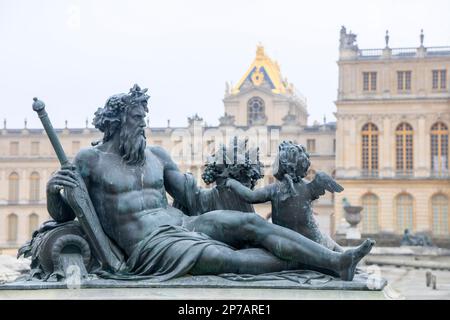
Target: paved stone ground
column 411, row 283
column 11, row 268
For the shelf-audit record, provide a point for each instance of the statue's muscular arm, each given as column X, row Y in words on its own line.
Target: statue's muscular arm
column 57, row 206
column 174, row 179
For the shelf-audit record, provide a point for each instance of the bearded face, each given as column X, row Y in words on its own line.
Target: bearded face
column 132, row 136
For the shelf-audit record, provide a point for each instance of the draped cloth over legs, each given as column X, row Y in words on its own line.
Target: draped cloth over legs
column 168, row 252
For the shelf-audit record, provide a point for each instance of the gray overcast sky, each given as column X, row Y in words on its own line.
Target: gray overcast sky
column 74, row 54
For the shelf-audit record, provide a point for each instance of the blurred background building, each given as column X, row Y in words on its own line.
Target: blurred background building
column 389, row 148
column 393, row 118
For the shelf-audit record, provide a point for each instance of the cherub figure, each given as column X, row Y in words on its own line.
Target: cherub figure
column 291, row 196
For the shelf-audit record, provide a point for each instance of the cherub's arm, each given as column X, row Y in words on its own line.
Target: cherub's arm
column 260, row 195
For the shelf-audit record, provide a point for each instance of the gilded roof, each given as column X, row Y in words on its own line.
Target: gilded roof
column 263, row 71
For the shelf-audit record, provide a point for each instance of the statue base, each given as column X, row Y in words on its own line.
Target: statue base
column 197, row 294
column 310, row 285
column 353, row 233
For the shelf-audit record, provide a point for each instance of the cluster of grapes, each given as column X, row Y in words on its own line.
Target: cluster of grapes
column 210, row 173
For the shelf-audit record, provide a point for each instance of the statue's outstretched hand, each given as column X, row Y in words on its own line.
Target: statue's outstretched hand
column 64, row 178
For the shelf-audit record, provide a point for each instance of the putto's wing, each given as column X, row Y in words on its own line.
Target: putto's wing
column 321, row 183
column 328, row 182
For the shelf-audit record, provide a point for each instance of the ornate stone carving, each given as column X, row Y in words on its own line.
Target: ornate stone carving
column 194, row 118
column 347, row 40
column 227, row 120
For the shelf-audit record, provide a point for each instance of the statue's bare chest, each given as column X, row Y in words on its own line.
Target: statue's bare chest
column 114, row 176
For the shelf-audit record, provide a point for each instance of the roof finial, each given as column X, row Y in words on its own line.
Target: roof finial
column 25, row 123
column 66, row 123
column 386, row 38
column 259, row 50
column 168, row 123
column 324, row 119
column 421, row 37
column 4, row 123
column 87, row 122
column 148, row 122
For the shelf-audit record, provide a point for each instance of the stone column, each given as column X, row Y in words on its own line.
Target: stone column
column 386, row 145
column 4, row 224
column 420, row 152
column 422, row 210
column 352, row 148
column 3, row 185
column 339, row 143
column 386, row 208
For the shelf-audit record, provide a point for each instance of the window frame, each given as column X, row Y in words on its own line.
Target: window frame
column 369, row 81
column 439, row 140
column 408, row 204
column 12, row 235
column 373, row 201
column 13, row 187
column 404, row 149
column 251, row 114
column 310, row 142
column 440, row 201
column 439, row 79
column 404, row 80
column 370, row 149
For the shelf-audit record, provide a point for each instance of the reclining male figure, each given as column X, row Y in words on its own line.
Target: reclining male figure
column 127, row 183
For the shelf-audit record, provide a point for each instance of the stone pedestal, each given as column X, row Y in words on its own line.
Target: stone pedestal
column 306, row 285
column 353, row 233
column 196, row 294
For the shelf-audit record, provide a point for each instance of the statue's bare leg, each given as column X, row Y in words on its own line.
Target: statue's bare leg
column 217, row 260
column 239, row 229
column 314, row 233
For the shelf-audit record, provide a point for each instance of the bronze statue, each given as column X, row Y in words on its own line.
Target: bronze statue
column 234, row 161
column 291, row 196
column 410, row 239
column 127, row 183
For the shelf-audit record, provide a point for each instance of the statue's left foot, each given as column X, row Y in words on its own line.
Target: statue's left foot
column 351, row 258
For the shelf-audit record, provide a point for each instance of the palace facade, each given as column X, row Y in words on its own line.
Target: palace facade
column 388, row 148
column 393, row 119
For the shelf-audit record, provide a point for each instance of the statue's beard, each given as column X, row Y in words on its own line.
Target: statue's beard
column 132, row 145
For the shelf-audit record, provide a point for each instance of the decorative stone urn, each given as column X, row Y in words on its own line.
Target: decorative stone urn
column 353, row 217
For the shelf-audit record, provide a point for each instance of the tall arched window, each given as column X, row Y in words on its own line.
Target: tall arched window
column 439, row 149
column 34, row 186
column 13, row 187
column 256, row 111
column 33, row 223
column 404, row 148
column 404, row 212
column 369, row 149
column 439, row 206
column 370, row 213
column 12, row 227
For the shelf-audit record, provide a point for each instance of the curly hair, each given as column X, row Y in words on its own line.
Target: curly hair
column 109, row 118
column 293, row 160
